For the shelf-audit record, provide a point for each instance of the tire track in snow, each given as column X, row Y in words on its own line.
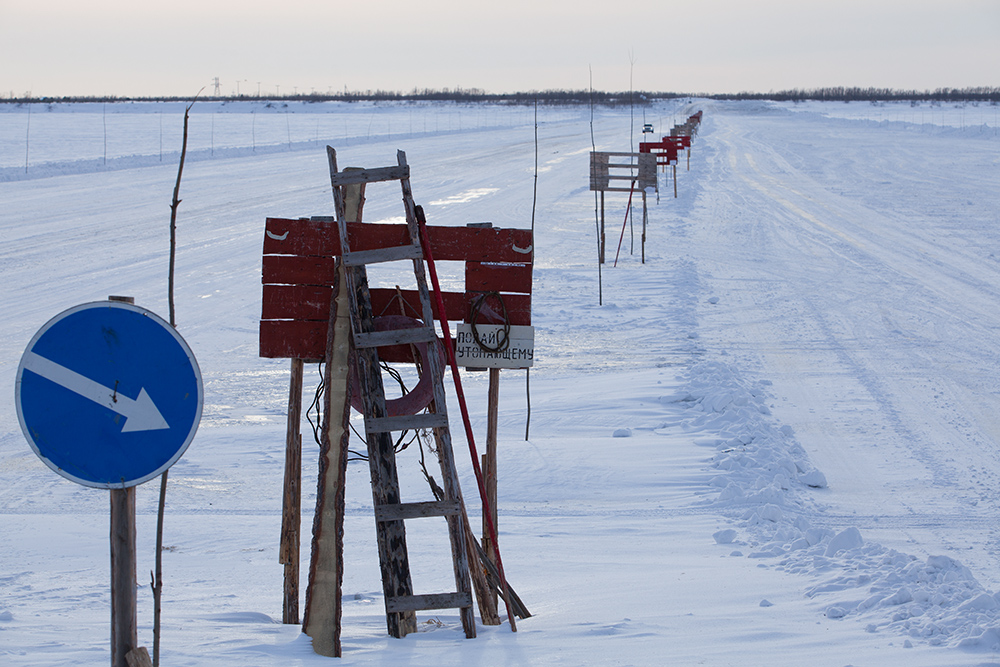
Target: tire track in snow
column 855, row 322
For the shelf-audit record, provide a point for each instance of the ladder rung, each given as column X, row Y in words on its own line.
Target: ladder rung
column 423, row 420
column 393, row 254
column 432, row 601
column 402, row 511
column 395, row 337
column 354, row 176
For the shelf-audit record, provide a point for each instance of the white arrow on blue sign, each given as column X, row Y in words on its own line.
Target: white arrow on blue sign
column 108, row 394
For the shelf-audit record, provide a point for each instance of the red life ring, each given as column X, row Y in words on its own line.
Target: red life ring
column 422, row 394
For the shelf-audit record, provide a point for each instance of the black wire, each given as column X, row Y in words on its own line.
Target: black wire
column 317, row 404
column 503, row 341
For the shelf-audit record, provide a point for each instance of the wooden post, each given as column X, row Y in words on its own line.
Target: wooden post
column 291, row 508
column 323, row 610
column 489, row 466
column 602, row 227
column 645, row 217
column 123, row 581
column 675, row 180
column 689, row 158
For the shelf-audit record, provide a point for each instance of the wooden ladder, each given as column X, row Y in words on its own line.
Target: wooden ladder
column 401, row 604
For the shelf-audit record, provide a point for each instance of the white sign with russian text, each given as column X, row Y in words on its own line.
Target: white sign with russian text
column 518, row 352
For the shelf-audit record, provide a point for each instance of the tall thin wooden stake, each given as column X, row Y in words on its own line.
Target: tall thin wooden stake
column 599, row 221
column 157, row 583
column 291, row 507
column 489, row 465
column 534, row 199
column 173, row 218
column 645, row 218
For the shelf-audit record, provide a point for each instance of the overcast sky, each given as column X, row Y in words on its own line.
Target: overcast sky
column 175, row 47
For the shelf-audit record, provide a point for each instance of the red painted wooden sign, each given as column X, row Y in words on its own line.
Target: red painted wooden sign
column 298, row 270
column 666, row 149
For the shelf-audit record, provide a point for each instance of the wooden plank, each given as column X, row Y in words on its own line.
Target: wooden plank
column 322, row 619
column 497, row 277
column 371, row 339
column 386, row 302
column 431, row 601
column 318, row 237
column 456, row 305
column 298, row 270
column 425, row 420
column 290, row 339
column 306, row 302
column 304, row 236
column 306, row 339
column 401, row 511
column 138, row 657
column 379, row 255
column 295, row 302
column 358, row 176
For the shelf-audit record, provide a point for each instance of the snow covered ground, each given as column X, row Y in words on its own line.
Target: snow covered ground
column 775, row 443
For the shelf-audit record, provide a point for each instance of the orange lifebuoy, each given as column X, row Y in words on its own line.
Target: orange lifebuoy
column 422, row 394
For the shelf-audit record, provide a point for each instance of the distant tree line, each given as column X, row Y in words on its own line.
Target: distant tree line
column 846, row 94
column 570, row 97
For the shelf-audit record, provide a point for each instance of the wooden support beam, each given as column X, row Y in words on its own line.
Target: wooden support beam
column 291, row 507
column 326, row 568
column 123, row 581
column 489, row 466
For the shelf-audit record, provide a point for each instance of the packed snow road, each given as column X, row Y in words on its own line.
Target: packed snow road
column 819, row 303
column 857, row 266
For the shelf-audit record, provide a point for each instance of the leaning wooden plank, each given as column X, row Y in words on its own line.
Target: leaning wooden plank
column 485, row 594
column 326, row 569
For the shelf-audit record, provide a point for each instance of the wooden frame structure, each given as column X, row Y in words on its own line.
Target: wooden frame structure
column 301, row 274
column 608, row 176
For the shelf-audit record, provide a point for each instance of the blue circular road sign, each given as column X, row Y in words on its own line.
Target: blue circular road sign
column 108, row 394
